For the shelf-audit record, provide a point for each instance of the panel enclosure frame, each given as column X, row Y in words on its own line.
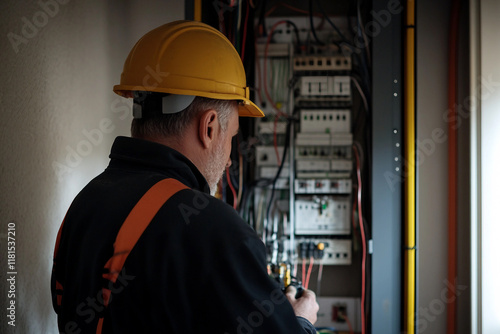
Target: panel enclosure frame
column 387, row 176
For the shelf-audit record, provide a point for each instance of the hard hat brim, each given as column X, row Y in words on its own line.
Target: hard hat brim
column 247, row 108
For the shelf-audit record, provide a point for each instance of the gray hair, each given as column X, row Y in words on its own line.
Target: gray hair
column 155, row 124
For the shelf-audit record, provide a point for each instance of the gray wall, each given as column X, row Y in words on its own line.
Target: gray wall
column 432, row 70
column 433, row 19
column 58, row 119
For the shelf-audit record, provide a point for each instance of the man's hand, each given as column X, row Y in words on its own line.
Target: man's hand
column 305, row 306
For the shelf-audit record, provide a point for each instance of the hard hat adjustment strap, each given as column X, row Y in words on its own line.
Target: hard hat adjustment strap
column 155, row 104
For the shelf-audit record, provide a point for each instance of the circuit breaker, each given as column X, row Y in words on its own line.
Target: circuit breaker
column 325, row 86
column 322, row 215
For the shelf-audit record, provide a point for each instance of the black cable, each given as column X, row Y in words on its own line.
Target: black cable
column 296, row 29
column 285, row 149
column 262, row 18
column 234, row 178
column 249, row 190
column 350, row 24
column 313, row 30
column 331, row 23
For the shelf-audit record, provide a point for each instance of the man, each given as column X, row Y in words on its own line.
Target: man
column 131, row 259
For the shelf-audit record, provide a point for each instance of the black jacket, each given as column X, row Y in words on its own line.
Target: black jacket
column 197, row 268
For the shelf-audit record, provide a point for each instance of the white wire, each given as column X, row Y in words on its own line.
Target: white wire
column 320, row 274
column 240, row 2
column 365, row 101
column 361, row 153
column 260, row 221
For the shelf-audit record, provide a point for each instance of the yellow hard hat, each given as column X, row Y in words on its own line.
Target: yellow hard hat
column 187, row 58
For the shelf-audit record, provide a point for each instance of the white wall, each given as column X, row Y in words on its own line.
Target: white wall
column 56, row 88
column 489, row 161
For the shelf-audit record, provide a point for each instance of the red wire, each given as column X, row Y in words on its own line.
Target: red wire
column 235, row 197
column 221, row 19
column 266, row 91
column 244, row 34
column 298, row 10
column 363, row 239
column 309, row 271
column 351, row 331
column 240, row 169
column 354, row 230
column 320, row 274
column 229, row 30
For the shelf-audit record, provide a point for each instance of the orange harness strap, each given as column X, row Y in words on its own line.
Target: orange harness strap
column 58, row 286
column 133, row 227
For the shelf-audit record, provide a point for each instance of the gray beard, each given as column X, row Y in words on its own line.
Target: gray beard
column 215, row 169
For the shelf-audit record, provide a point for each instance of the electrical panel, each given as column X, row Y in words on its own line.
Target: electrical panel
column 306, row 155
column 323, row 159
column 301, row 170
column 304, row 146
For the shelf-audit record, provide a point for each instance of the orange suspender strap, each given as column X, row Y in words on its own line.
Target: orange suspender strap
column 58, row 287
column 133, row 227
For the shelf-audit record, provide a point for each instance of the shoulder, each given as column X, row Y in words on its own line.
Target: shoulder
column 196, row 206
column 203, row 212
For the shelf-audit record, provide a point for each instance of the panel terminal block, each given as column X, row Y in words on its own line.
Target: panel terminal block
column 322, row 63
column 334, row 252
column 323, row 152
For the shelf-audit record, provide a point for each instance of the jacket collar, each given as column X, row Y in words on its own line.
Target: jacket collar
column 147, row 155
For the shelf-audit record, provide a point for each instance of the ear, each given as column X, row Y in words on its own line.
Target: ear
column 208, row 128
